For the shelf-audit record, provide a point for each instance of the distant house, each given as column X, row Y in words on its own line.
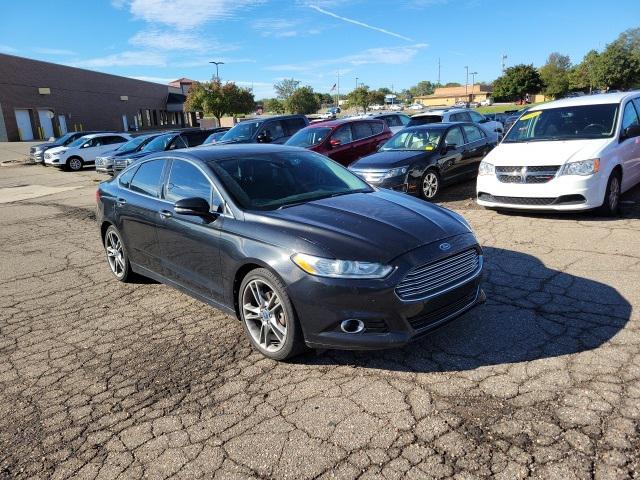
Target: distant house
column 444, row 96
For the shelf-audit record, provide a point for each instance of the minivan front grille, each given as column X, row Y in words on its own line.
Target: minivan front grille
column 531, row 174
column 432, row 278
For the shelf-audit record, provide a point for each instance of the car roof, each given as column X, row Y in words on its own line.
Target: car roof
column 216, row 152
column 435, row 126
column 341, row 121
column 440, row 111
column 104, row 134
column 597, row 99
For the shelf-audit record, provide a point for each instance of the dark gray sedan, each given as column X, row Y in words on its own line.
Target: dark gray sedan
column 301, row 250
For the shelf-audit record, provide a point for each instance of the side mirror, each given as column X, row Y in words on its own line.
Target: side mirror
column 263, row 138
column 449, row 147
column 192, row 206
column 334, row 142
column 630, row 132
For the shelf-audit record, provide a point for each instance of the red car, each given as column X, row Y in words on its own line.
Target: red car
column 345, row 140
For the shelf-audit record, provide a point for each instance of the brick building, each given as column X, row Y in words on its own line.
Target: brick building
column 446, row 96
column 42, row 99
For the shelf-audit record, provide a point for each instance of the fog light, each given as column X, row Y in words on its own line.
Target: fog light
column 352, row 326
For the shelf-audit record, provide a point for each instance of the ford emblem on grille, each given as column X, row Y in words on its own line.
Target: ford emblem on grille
column 445, row 246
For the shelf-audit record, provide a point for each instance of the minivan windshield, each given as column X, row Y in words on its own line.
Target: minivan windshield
column 283, row 179
column 308, row 137
column 243, row 131
column 565, row 123
column 419, row 139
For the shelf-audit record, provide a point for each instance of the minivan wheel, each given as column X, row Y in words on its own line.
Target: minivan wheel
column 268, row 317
column 116, row 254
column 611, row 204
column 430, row 186
column 75, row 164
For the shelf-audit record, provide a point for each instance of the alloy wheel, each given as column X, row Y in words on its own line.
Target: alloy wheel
column 264, row 315
column 115, row 254
column 430, row 185
column 75, row 164
column 614, row 193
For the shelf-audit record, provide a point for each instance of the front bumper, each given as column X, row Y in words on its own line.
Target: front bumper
column 37, row 157
column 561, row 193
column 55, row 161
column 323, row 303
column 104, row 165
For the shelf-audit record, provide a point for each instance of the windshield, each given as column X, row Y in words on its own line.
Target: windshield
column 158, row 144
column 214, row 137
column 424, row 120
column 278, row 180
column 77, row 142
column 63, row 140
column 242, row 131
column 308, row 137
column 565, row 123
column 132, row 144
column 421, row 139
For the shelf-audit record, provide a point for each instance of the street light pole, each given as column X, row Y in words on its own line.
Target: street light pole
column 473, row 83
column 356, row 82
column 216, row 64
column 466, row 83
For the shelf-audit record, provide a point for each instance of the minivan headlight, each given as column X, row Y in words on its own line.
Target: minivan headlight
column 486, row 168
column 583, row 167
column 395, row 172
column 327, row 267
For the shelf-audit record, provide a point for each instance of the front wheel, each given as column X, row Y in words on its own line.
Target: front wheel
column 611, row 204
column 75, row 164
column 430, row 186
column 268, row 317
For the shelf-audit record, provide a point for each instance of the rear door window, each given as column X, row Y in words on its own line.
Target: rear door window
column 343, row 134
column 194, row 139
column 473, row 133
column 274, row 130
column 148, row 178
column 460, row 117
column 454, row 137
column 292, row 125
column 377, row 127
column 361, row 130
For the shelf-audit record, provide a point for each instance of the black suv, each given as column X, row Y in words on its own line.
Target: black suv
column 265, row 130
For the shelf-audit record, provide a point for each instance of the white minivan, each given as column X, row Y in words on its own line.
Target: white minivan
column 84, row 150
column 573, row 154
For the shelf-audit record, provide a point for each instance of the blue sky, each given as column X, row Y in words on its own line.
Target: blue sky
column 383, row 43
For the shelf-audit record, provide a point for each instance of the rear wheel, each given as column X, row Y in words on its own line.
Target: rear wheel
column 268, row 317
column 611, row 204
column 75, row 164
column 117, row 255
column 430, row 186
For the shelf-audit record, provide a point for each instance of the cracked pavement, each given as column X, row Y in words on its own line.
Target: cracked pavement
column 104, row 380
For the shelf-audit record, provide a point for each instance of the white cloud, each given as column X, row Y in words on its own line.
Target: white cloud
column 383, row 55
column 276, row 27
column 156, row 39
column 124, row 59
column 185, row 14
column 146, row 78
column 7, row 49
column 54, row 51
column 359, row 23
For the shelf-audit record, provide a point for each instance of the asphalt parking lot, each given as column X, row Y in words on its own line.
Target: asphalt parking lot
column 104, row 380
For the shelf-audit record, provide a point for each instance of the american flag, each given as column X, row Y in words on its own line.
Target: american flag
column 334, row 87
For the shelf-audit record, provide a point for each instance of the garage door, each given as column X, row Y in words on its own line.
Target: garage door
column 24, row 124
column 45, row 122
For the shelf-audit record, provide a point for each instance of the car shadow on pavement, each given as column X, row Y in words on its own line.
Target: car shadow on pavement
column 532, row 312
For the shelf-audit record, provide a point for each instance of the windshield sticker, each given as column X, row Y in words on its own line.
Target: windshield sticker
column 429, row 147
column 531, row 115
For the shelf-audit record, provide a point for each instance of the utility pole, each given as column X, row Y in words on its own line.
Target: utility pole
column 216, row 64
column 466, row 82
column 504, row 59
column 473, row 82
column 356, row 82
column 439, row 72
column 338, row 92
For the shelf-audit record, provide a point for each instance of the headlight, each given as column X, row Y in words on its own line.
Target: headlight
column 583, row 167
column 395, row 172
column 128, row 161
column 327, row 267
column 486, row 168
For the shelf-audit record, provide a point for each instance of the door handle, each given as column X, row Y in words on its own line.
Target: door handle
column 121, row 202
column 165, row 214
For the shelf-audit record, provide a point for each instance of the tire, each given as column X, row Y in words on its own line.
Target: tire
column 75, row 164
column 430, row 185
column 275, row 332
column 120, row 266
column 611, row 203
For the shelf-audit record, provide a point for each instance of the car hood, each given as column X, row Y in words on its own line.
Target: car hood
column 56, row 150
column 136, row 155
column 40, row 146
column 229, row 142
column 391, row 159
column 545, row 153
column 377, row 226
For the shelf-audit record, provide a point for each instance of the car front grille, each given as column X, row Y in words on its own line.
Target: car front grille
column 428, row 280
column 47, row 155
column 32, row 150
column 533, row 201
column 120, row 164
column 535, row 174
column 372, row 176
column 443, row 313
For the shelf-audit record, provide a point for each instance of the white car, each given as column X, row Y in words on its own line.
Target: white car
column 487, row 102
column 416, row 106
column 572, row 154
column 84, row 150
column 492, row 128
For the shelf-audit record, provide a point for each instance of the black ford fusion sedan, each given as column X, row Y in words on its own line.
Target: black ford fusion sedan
column 301, row 250
column 421, row 160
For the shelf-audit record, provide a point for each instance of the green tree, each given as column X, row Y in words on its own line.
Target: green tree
column 285, row 88
column 453, row 84
column 619, row 66
column 424, row 87
column 214, row 98
column 516, row 82
column 555, row 75
column 585, row 75
column 302, row 100
column 363, row 97
column 273, row 105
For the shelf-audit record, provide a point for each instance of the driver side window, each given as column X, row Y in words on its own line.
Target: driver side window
column 187, row 181
column 454, row 137
column 343, row 134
